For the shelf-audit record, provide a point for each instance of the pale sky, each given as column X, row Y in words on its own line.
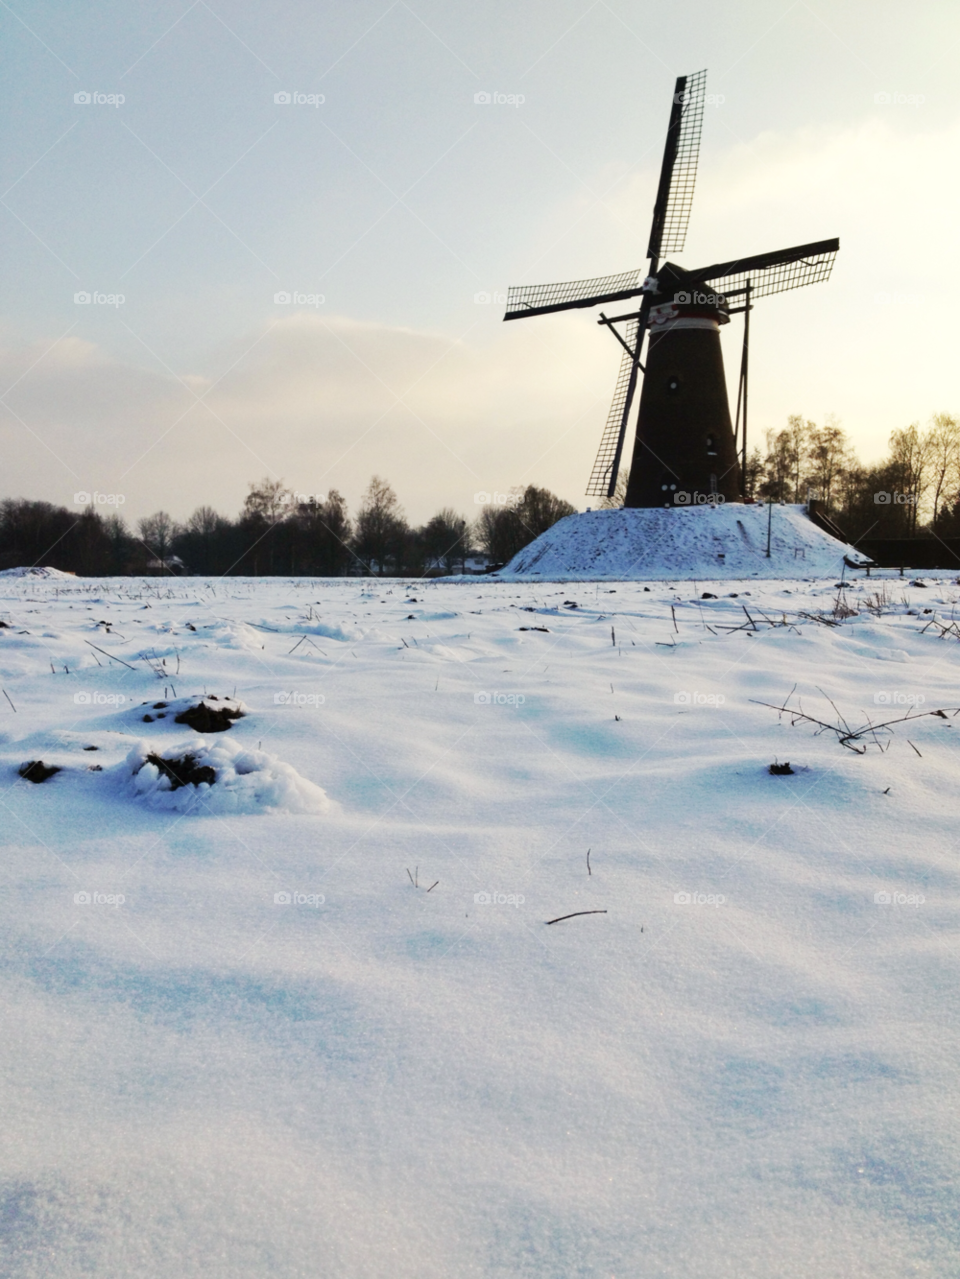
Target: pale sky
column 398, row 198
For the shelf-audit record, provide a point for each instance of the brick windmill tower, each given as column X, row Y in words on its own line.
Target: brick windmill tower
column 687, row 450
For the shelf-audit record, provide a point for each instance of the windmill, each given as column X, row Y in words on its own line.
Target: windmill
column 687, row 450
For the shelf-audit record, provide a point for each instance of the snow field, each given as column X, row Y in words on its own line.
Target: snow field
column 390, row 1081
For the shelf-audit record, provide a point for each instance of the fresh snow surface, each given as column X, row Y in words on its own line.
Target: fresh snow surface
column 35, row 572
column 240, row 1041
column 686, row 543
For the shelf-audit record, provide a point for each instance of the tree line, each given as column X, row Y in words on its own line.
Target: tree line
column 277, row 532
column 914, row 491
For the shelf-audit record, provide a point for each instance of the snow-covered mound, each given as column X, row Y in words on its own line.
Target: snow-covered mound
column 218, row 777
column 682, row 543
column 34, row 572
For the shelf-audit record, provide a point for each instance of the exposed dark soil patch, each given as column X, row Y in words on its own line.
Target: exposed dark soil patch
column 781, row 770
column 184, row 771
column 209, row 719
column 35, row 770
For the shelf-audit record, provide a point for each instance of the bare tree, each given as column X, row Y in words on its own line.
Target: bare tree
column 381, row 526
column 829, row 456
column 502, row 531
column 943, row 443
column 910, row 464
column 157, row 532
column 446, row 539
column 269, row 500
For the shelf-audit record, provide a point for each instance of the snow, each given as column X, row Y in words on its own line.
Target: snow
column 240, row 1041
column 685, row 543
column 35, row 572
column 246, row 781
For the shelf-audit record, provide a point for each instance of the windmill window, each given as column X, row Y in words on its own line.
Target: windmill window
column 711, row 446
column 673, row 385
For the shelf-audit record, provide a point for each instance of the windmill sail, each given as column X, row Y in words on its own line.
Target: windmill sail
column 773, row 272
column 603, row 477
column 539, row 299
column 678, row 173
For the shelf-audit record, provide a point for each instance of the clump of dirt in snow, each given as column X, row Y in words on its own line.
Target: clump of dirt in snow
column 35, row 770
column 217, row 777
column 208, row 714
column 203, row 718
column 184, row 771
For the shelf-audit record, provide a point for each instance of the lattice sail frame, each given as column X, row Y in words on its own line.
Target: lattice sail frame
column 684, row 176
column 766, row 276
column 526, row 299
column 599, row 482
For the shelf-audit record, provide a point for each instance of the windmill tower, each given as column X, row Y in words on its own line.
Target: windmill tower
column 687, row 450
